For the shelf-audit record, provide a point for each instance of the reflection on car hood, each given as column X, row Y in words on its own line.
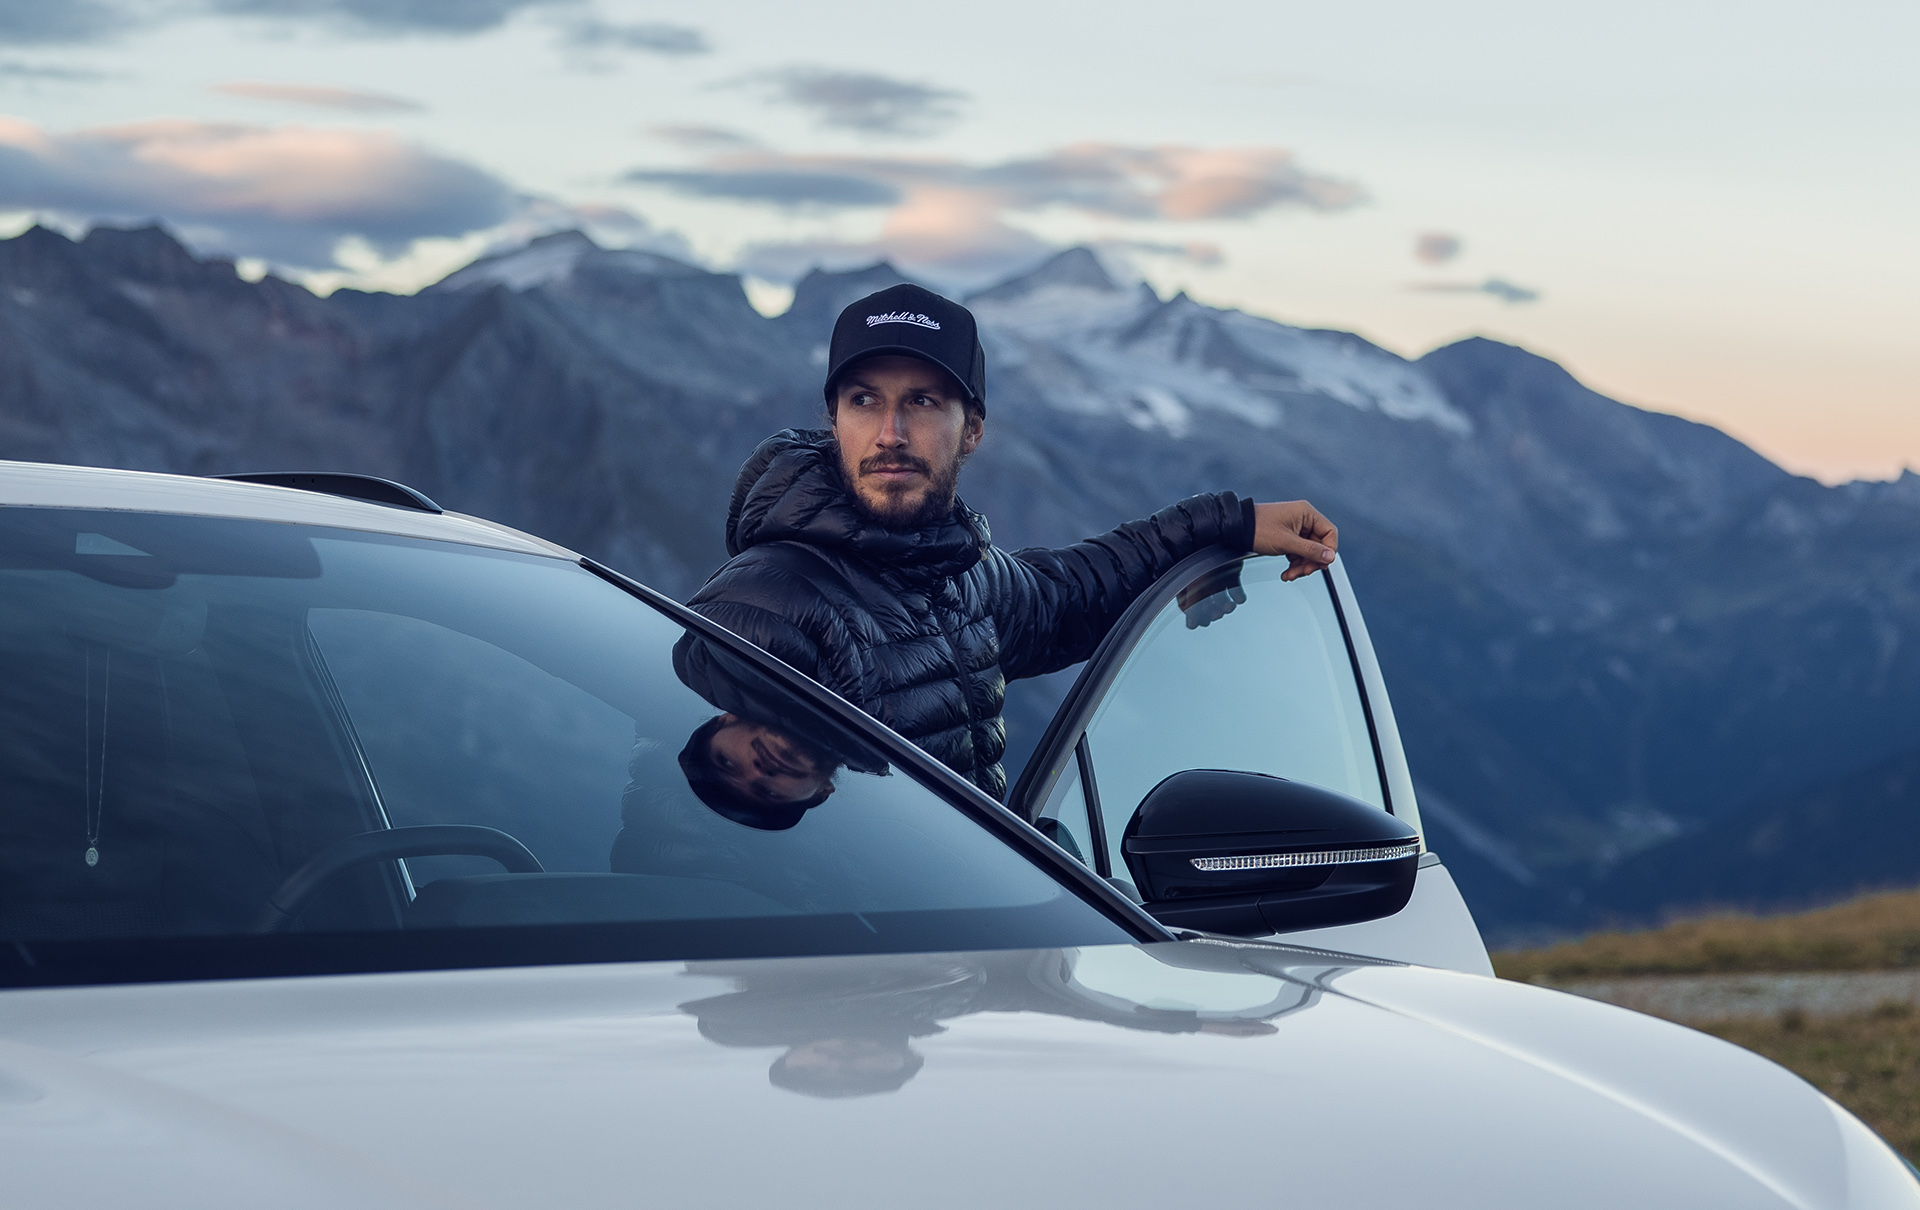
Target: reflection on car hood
column 1184, row 1073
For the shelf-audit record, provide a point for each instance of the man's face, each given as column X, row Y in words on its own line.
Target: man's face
column 903, row 430
column 763, row 765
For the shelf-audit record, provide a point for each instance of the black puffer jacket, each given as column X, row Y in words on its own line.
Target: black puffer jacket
column 923, row 628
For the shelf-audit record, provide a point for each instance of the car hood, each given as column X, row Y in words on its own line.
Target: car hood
column 1189, row 1072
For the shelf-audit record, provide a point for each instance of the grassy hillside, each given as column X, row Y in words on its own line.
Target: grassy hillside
column 1877, row 932
column 1867, row 1061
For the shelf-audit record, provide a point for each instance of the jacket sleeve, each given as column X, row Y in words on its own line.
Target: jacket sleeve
column 770, row 606
column 1052, row 607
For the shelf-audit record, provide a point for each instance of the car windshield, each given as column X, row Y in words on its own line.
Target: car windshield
column 232, row 747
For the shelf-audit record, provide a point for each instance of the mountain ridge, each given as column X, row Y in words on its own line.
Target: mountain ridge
column 1605, row 627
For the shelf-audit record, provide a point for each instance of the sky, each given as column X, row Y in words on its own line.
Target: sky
column 1706, row 208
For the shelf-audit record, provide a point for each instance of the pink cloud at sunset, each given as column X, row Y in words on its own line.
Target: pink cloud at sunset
column 951, row 216
column 348, row 100
column 287, row 194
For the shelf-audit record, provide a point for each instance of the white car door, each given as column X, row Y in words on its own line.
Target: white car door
column 1222, row 665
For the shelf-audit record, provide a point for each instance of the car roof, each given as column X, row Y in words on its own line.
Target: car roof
column 49, row 485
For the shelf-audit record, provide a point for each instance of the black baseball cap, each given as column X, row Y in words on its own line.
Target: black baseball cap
column 911, row 321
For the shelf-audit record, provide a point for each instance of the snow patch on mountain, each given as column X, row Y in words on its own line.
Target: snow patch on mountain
column 1345, row 367
column 1156, row 407
column 1094, row 347
column 555, row 258
column 550, row 258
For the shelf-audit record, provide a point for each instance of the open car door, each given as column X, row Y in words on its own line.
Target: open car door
column 1223, row 667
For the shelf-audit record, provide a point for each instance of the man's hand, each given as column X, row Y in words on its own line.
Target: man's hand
column 1297, row 530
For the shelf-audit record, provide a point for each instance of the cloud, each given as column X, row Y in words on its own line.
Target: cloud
column 1436, row 247
column 319, row 97
column 1171, row 182
column 593, row 34
column 286, row 194
column 1507, row 292
column 72, row 21
column 14, row 69
column 859, row 101
column 1195, row 252
column 1151, row 183
column 24, row 22
column 385, row 16
column 1494, row 287
column 781, row 186
column 949, row 218
column 702, row 138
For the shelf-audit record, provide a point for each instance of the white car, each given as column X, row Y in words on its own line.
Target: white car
column 353, row 853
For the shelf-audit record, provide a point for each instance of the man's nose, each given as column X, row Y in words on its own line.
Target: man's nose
column 893, row 429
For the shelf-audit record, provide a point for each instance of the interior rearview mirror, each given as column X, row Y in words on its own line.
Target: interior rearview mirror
column 1250, row 854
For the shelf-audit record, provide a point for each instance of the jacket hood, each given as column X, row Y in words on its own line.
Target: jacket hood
column 791, row 490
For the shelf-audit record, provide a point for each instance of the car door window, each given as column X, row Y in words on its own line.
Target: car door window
column 1240, row 671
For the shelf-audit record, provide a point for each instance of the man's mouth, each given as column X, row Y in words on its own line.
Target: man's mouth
column 894, row 471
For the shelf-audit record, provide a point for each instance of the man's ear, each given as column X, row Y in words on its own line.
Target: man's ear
column 976, row 430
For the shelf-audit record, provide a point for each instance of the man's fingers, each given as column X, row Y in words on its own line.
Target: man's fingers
column 1297, row 530
column 1296, row 546
column 1319, row 529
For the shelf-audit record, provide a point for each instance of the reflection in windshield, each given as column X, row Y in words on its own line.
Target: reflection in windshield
column 847, row 1028
column 761, row 766
column 754, row 773
column 762, row 762
column 201, row 718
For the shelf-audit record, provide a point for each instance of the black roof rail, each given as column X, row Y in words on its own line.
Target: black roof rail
column 340, row 483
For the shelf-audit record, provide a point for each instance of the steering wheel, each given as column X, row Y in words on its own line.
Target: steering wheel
column 387, row 844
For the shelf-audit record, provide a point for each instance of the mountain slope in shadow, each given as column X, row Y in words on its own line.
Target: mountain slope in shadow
column 1604, row 627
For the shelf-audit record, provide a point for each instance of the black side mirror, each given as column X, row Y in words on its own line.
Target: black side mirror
column 1250, row 854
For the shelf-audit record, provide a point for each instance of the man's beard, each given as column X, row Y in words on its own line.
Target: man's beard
column 905, row 509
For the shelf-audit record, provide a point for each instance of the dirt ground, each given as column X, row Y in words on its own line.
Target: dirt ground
column 1869, row 1061
column 1832, row 995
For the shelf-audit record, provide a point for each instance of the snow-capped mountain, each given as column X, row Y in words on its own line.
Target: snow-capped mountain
column 555, row 258
column 1605, row 627
column 1159, row 365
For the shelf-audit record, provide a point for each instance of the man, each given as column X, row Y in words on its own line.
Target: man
column 854, row 560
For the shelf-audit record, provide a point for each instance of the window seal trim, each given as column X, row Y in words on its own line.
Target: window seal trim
column 1366, row 703
column 1090, row 797
column 960, row 793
